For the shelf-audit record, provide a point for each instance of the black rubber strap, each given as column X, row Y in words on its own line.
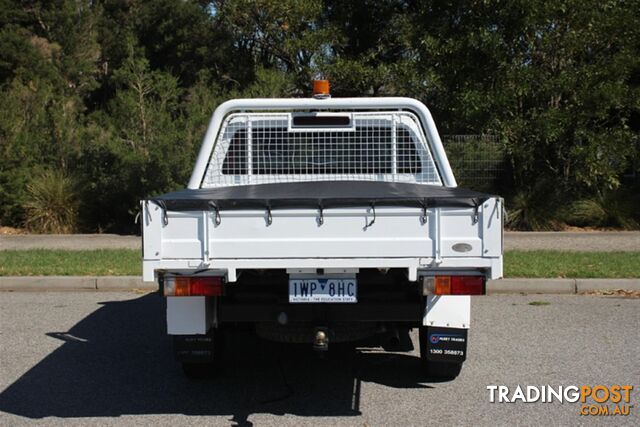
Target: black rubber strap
column 216, row 219
column 373, row 220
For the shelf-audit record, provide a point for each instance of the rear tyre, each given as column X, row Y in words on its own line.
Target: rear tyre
column 434, row 370
column 442, row 371
column 200, row 355
column 198, row 371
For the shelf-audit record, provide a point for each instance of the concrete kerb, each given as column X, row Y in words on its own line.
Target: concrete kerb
column 115, row 283
column 74, row 283
column 47, row 283
column 559, row 286
column 127, row 283
column 586, row 285
column 533, row 286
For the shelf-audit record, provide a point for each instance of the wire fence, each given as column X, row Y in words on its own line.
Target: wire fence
column 632, row 174
column 478, row 161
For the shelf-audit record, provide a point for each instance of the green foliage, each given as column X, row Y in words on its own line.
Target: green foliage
column 57, row 262
column 477, row 161
column 557, row 80
column 52, row 203
column 587, row 212
column 118, row 93
column 372, row 54
column 289, row 35
column 561, row 264
column 268, row 83
column 538, row 208
column 121, row 262
column 140, row 136
column 618, row 209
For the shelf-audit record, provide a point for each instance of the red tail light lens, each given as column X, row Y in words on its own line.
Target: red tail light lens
column 192, row 286
column 209, row 286
column 458, row 285
column 467, row 285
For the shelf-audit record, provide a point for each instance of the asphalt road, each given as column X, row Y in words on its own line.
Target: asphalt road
column 103, row 359
column 562, row 241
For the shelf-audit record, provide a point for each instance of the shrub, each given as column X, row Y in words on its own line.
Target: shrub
column 536, row 209
column 586, row 213
column 52, row 203
column 613, row 209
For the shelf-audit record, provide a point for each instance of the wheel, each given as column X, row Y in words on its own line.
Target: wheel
column 436, row 370
column 198, row 371
column 200, row 354
column 442, row 371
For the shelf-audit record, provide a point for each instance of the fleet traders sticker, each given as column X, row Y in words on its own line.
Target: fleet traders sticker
column 446, row 344
column 595, row 400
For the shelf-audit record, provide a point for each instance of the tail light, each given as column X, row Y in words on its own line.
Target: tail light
column 183, row 286
column 454, row 285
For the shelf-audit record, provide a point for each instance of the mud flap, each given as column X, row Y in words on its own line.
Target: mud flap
column 195, row 348
column 444, row 344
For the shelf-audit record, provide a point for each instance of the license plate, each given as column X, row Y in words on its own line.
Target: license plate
column 323, row 290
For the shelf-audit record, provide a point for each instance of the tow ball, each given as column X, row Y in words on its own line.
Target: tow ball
column 321, row 339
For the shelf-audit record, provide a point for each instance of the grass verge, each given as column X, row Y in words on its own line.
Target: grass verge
column 584, row 265
column 52, row 262
column 125, row 262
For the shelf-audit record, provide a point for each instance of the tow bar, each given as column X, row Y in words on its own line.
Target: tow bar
column 321, row 339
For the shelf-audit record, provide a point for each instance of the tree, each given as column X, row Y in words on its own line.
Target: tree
column 116, row 95
column 372, row 53
column 290, row 36
column 47, row 65
column 553, row 78
column 141, row 138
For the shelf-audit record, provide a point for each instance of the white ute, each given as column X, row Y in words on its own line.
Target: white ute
column 323, row 220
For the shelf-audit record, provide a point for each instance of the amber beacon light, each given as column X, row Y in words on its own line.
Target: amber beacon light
column 321, row 89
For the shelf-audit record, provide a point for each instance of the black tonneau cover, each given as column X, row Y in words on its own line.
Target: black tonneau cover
column 320, row 194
